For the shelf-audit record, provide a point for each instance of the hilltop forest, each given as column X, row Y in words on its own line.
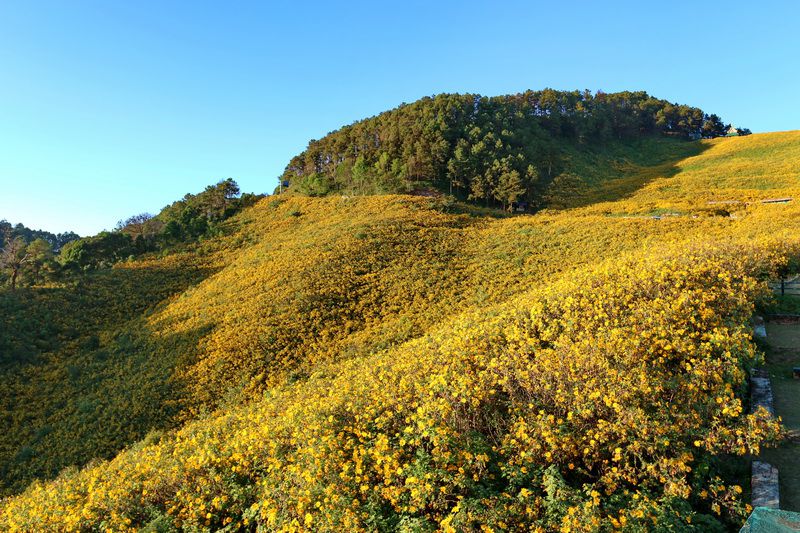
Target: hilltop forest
column 346, row 357
column 497, row 150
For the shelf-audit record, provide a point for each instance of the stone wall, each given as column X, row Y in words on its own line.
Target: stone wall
column 766, row 492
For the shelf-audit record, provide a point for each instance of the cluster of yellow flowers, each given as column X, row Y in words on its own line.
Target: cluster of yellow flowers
column 385, row 363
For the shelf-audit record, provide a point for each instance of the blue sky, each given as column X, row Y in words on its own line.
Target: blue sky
column 108, row 109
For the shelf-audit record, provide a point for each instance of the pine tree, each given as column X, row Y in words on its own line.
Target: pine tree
column 509, row 189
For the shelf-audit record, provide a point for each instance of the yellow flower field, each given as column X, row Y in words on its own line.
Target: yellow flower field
column 410, row 363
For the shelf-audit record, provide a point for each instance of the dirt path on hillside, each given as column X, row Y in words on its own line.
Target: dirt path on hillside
column 783, row 353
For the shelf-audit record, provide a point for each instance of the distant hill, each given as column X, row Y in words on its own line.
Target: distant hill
column 402, row 362
column 498, row 151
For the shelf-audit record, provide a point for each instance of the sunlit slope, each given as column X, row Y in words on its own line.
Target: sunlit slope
column 724, row 174
column 340, row 276
column 302, row 290
column 755, row 165
column 333, row 278
column 325, row 278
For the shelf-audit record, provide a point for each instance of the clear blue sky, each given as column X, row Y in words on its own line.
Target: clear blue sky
column 108, row 109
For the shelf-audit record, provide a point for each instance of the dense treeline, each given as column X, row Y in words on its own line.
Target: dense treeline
column 56, row 240
column 187, row 220
column 500, row 150
column 27, row 255
column 198, row 215
column 30, row 257
column 22, row 261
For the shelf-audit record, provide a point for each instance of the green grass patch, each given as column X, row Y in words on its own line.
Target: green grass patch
column 788, row 304
column 783, row 353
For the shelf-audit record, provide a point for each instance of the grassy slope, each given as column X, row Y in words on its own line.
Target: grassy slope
column 305, row 281
column 81, row 377
column 743, row 169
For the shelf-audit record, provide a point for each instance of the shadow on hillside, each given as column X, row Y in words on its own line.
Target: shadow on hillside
column 631, row 171
column 97, row 378
column 462, row 207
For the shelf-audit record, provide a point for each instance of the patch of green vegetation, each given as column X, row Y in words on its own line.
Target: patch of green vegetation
column 787, row 304
column 88, row 344
column 783, row 353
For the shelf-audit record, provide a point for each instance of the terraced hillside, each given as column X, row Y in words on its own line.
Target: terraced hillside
column 404, row 362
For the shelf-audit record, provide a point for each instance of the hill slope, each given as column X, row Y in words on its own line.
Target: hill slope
column 399, row 361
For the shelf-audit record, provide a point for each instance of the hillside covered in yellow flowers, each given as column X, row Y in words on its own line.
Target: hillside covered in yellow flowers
column 415, row 363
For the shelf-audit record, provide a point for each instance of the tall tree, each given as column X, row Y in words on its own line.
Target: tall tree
column 509, row 189
column 216, row 198
column 13, row 256
column 40, row 254
column 361, row 174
